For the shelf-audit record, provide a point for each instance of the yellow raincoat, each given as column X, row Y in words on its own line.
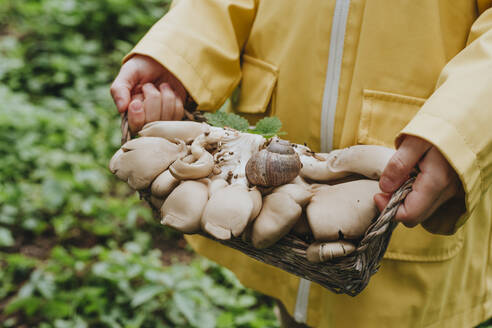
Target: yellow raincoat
column 344, row 72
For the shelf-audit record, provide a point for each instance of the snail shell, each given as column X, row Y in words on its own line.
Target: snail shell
column 274, row 166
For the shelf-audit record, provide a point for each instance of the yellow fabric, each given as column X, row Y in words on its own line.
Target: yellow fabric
column 423, row 67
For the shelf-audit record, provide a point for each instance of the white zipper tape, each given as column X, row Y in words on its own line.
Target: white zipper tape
column 302, row 301
column 330, row 95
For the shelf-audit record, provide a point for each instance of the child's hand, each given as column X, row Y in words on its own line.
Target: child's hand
column 436, row 183
column 134, row 89
column 154, row 105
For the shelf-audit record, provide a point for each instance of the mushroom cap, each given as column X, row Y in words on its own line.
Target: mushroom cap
column 367, row 160
column 141, row 160
column 184, row 206
column 346, row 208
column 200, row 163
column 228, row 212
column 163, row 184
column 215, row 185
column 257, row 200
column 316, row 167
column 300, row 194
column 190, row 167
column 183, row 130
column 278, row 215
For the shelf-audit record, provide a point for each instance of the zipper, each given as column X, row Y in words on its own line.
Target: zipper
column 330, row 95
column 302, row 300
column 328, row 110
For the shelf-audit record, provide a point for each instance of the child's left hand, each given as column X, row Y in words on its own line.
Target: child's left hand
column 436, row 183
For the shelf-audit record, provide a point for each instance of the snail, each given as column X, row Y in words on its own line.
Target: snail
column 274, row 166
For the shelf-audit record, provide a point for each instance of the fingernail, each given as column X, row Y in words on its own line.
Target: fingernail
column 136, row 106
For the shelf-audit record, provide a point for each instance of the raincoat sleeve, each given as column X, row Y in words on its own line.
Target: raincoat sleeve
column 200, row 43
column 457, row 119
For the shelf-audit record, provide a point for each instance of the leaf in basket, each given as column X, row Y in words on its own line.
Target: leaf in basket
column 268, row 126
column 223, row 119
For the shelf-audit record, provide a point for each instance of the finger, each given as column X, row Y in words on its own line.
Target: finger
column 123, row 85
column 136, row 115
column 432, row 187
column 168, row 102
column 178, row 110
column 381, row 200
column 152, row 102
column 402, row 163
column 418, row 201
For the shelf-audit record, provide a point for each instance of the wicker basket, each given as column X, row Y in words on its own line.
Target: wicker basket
column 346, row 275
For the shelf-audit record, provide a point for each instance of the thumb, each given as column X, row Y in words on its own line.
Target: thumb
column 402, row 163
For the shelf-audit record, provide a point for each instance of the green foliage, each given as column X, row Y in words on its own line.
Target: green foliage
column 111, row 287
column 267, row 127
column 230, row 120
column 64, row 47
column 77, row 248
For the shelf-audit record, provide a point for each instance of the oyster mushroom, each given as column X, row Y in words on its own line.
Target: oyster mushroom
column 233, row 153
column 141, row 160
column 200, row 163
column 367, row 160
column 163, row 184
column 277, row 216
column 322, row 251
column 183, row 130
column 280, row 212
column 229, row 210
column 347, row 209
column 299, row 193
column 215, row 185
column 232, row 206
column 184, row 206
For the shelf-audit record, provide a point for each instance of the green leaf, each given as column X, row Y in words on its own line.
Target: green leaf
column 225, row 320
column 185, row 305
column 29, row 305
column 223, row 119
column 268, row 126
column 146, row 293
column 6, row 239
column 57, row 309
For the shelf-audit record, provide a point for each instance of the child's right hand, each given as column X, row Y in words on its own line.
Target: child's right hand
column 154, row 104
column 148, row 91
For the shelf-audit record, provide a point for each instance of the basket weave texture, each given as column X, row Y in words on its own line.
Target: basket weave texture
column 345, row 275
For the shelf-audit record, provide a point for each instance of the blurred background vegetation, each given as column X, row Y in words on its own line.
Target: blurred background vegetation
column 77, row 247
